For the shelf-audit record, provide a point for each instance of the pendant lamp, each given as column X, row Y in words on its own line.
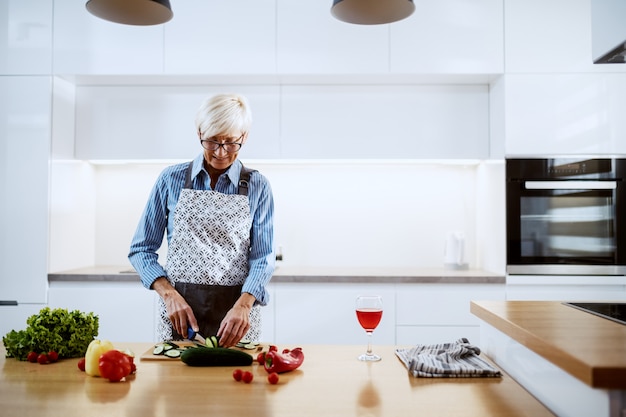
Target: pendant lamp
column 132, row 12
column 372, row 12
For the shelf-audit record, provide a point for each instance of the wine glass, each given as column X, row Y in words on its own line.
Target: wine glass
column 369, row 311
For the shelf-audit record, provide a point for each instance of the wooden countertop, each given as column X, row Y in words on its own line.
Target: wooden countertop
column 283, row 273
column 330, row 382
column 590, row 348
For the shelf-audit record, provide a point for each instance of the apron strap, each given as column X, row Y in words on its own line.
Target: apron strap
column 244, row 179
column 188, row 183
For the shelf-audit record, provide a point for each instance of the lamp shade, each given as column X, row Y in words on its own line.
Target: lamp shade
column 132, row 12
column 372, row 12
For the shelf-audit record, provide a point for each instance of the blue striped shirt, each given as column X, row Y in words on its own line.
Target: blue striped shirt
column 158, row 217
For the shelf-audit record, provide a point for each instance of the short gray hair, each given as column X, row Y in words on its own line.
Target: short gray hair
column 222, row 114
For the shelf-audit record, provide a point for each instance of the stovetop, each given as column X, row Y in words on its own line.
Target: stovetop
column 611, row 311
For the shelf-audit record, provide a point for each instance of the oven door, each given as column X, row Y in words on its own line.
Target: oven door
column 564, row 227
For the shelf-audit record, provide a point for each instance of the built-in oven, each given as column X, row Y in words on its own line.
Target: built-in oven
column 566, row 216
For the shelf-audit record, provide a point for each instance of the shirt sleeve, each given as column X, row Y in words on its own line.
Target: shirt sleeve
column 262, row 259
column 149, row 235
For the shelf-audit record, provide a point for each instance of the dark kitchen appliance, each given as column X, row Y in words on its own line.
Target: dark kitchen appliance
column 566, row 216
column 611, row 311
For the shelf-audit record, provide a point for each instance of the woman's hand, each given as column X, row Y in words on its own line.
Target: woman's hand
column 178, row 311
column 236, row 323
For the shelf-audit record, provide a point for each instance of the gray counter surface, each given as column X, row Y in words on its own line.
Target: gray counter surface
column 293, row 274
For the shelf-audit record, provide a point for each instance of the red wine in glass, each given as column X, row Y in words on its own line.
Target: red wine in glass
column 369, row 311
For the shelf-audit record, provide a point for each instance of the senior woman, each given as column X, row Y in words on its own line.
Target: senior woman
column 218, row 216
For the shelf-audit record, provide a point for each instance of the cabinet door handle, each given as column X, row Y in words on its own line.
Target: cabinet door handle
column 570, row 185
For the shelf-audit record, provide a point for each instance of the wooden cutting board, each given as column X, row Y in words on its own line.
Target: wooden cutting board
column 149, row 356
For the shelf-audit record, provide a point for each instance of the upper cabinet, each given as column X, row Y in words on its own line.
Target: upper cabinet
column 281, row 37
column 450, row 37
column 157, row 122
column 577, row 114
column 550, row 36
column 85, row 44
column 221, row 37
column 385, row 122
column 26, row 37
column 311, row 41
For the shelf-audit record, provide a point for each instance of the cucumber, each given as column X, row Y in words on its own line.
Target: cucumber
column 216, row 356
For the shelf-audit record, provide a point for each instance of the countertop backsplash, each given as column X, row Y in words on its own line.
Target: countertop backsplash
column 338, row 214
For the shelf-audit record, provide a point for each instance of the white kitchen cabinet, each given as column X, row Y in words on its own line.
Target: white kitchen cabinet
column 229, row 37
column 86, row 44
column 14, row 317
column 126, row 310
column 550, row 37
column 311, row 41
column 566, row 288
column 577, row 114
column 24, row 151
column 385, row 121
column 450, row 37
column 309, row 313
column 26, row 40
column 157, row 122
column 440, row 313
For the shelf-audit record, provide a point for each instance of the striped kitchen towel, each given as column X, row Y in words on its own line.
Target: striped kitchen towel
column 446, row 360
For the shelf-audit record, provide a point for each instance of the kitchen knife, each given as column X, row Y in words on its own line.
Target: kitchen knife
column 195, row 336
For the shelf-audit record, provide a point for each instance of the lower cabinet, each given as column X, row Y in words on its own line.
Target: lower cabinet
column 309, row 313
column 126, row 310
column 566, row 288
column 14, row 317
column 440, row 313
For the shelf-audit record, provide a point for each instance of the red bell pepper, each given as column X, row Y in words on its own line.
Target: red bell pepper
column 114, row 365
column 286, row 361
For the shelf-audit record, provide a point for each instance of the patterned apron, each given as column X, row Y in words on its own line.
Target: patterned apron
column 207, row 258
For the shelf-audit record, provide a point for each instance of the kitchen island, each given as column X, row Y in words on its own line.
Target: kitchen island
column 571, row 360
column 331, row 382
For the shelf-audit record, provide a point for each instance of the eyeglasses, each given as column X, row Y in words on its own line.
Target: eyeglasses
column 229, row 147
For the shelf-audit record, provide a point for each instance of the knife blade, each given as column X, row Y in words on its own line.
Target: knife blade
column 195, row 336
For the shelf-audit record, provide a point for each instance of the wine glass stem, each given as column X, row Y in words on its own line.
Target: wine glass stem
column 369, row 343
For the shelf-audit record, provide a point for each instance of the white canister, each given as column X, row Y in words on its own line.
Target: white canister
column 454, row 251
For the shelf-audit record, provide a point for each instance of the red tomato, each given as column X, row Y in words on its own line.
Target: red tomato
column 32, row 357
column 114, row 365
column 247, row 377
column 237, row 374
column 81, row 364
column 53, row 356
column 42, row 358
column 260, row 358
column 273, row 378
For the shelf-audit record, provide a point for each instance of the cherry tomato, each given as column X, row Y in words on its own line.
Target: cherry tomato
column 81, row 364
column 247, row 377
column 32, row 357
column 53, row 356
column 237, row 374
column 42, row 358
column 260, row 358
column 273, row 378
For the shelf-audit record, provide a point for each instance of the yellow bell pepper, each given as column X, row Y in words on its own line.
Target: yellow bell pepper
column 92, row 357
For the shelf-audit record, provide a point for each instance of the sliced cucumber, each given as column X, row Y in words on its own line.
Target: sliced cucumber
column 214, row 341
column 173, row 353
column 158, row 350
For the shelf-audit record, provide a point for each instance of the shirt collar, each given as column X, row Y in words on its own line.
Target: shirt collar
column 232, row 172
